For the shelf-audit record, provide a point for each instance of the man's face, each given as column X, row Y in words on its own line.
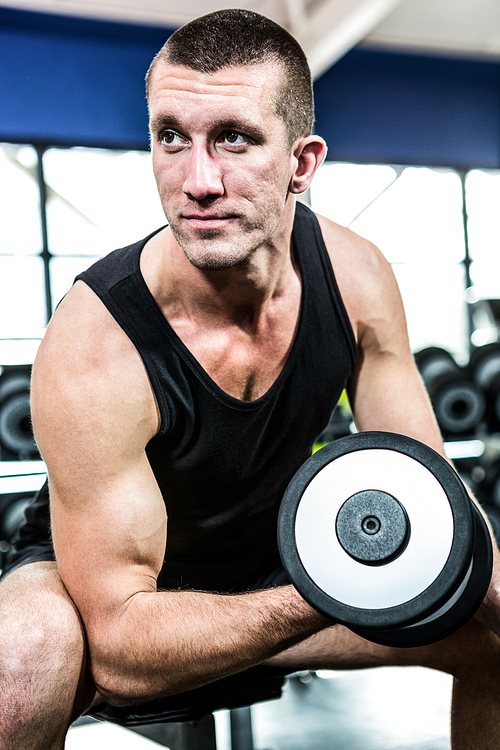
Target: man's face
column 221, row 160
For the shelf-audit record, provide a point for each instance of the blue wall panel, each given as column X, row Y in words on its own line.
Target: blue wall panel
column 378, row 106
column 72, row 81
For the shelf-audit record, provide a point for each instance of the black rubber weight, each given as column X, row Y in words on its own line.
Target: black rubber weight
column 377, row 624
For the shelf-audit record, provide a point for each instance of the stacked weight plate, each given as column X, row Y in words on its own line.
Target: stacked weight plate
column 377, row 532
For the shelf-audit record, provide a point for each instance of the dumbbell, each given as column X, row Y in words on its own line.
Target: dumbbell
column 377, row 532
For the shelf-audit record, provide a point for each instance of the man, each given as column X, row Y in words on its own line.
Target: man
column 187, row 376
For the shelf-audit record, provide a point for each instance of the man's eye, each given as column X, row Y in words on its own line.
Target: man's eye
column 234, row 139
column 171, row 138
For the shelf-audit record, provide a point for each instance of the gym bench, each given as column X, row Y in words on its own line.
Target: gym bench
column 170, row 724
column 195, row 735
column 200, row 735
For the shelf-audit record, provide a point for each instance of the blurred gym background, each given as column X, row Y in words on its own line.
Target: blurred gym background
column 408, row 100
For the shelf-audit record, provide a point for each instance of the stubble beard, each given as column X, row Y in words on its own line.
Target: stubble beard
column 214, row 250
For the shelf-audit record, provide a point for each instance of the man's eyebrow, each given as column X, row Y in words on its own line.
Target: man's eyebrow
column 162, row 122
column 246, row 127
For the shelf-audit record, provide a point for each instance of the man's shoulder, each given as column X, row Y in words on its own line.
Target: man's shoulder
column 339, row 238
column 364, row 276
column 83, row 339
column 86, row 369
column 352, row 253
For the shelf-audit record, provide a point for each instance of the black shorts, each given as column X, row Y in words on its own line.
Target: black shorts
column 33, row 544
column 33, row 541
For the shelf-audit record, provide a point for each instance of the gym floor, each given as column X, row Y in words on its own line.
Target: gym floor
column 380, row 709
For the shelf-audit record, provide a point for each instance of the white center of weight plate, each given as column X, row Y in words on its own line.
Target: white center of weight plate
column 431, row 529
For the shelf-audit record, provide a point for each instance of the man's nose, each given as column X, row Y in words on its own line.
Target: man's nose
column 203, row 175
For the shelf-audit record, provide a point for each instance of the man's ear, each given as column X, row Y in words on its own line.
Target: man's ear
column 309, row 153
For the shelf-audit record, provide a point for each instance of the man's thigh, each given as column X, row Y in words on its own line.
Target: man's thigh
column 41, row 636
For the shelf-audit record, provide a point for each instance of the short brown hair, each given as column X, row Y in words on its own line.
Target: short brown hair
column 236, row 37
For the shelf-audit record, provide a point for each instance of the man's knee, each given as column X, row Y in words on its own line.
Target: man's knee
column 42, row 646
column 36, row 608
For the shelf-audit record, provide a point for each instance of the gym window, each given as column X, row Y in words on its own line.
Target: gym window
column 61, row 210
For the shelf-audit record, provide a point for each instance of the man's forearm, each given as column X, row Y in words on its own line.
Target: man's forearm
column 168, row 642
column 488, row 613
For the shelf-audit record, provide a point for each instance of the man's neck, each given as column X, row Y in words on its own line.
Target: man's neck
column 238, row 294
column 240, row 323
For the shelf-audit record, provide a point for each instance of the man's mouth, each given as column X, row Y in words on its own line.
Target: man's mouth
column 207, row 221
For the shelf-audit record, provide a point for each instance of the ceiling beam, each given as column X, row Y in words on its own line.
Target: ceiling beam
column 126, row 11
column 333, row 28
column 297, row 17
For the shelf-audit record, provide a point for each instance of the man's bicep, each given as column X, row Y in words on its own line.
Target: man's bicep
column 107, row 514
column 110, row 543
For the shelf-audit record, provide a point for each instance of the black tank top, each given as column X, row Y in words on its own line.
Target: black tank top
column 223, row 464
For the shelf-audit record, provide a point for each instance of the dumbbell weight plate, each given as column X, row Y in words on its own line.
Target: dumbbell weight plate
column 459, row 403
column 433, row 362
column 410, row 581
column 484, row 364
column 15, row 425
column 457, row 610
